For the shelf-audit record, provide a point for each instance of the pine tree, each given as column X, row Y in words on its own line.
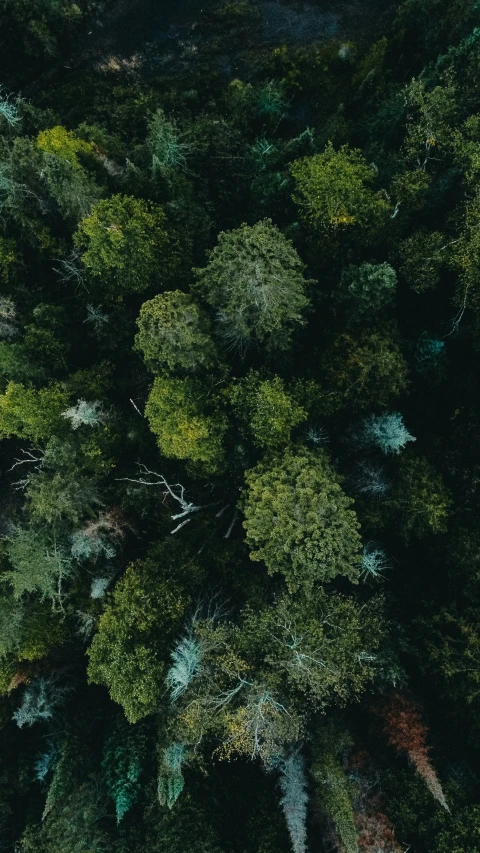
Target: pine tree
column 186, row 657
column 387, row 432
column 294, row 801
column 405, row 731
column 170, row 781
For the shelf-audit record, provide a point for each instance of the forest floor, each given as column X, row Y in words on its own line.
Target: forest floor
column 152, row 37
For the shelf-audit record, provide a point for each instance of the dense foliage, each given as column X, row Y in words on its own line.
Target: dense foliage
column 239, row 427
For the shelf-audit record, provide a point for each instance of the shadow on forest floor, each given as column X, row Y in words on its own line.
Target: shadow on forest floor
column 169, row 36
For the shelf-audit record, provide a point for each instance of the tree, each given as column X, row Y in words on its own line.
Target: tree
column 387, row 432
column 430, row 118
column 75, row 803
column 39, row 564
column 8, row 314
column 32, row 414
column 266, row 410
column 86, row 414
column 374, row 561
column 366, row 289
column 322, row 646
column 407, row 733
column 72, row 187
column 167, row 145
column 420, row 500
column 293, row 783
column 422, row 256
column 335, row 789
column 365, row 370
column 174, row 334
column 451, row 639
column 429, row 355
column 176, row 413
column 123, row 757
column 332, row 191
column 39, row 701
column 28, row 629
column 170, row 782
column 129, row 653
column 298, row 520
column 125, row 246
column 217, row 693
column 44, row 340
column 66, row 495
column 254, row 281
column 186, row 657
column 64, row 144
column 461, row 833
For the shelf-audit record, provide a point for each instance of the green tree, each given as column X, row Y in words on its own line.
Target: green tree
column 40, row 564
column 265, row 410
column 168, row 146
column 123, row 759
column 176, row 411
column 125, row 246
column 451, row 649
column 61, row 496
column 335, row 789
column 174, row 334
column 321, row 645
column 64, row 144
column 45, row 340
column 332, row 191
column 299, row 521
column 74, row 807
column 461, row 834
column 32, row 414
column 420, row 500
column 129, row 653
column 73, row 189
column 365, row 370
column 254, row 280
column 366, row 289
column 422, row 256
column 431, row 116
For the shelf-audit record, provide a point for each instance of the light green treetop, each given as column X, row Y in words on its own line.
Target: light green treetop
column 298, row 520
column 266, row 410
column 28, row 413
column 177, row 412
column 332, row 190
column 125, row 245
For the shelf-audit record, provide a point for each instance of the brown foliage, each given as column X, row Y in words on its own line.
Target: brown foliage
column 375, row 833
column 404, row 729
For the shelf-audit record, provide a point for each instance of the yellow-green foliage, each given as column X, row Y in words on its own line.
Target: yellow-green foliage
column 64, row 144
column 420, row 499
column 365, row 370
column 333, row 191
column 176, row 412
column 322, row 645
column 266, row 410
column 28, row 413
column 130, row 651
column 7, row 257
column 335, row 790
column 124, row 243
column 298, row 520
